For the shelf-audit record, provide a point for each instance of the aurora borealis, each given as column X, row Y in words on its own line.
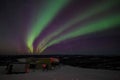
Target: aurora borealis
column 44, row 17
column 104, row 24
column 60, row 26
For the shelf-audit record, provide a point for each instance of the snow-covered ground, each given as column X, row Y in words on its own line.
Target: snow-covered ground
column 64, row 73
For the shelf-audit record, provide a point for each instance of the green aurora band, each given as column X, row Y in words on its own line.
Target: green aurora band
column 97, row 26
column 44, row 18
column 88, row 13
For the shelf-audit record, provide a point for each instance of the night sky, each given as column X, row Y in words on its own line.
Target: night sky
column 84, row 27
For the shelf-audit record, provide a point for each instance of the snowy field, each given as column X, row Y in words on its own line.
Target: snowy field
column 64, row 73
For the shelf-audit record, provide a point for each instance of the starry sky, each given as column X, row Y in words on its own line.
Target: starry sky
column 84, row 27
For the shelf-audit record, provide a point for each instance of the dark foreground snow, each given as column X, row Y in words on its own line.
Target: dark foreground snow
column 65, row 73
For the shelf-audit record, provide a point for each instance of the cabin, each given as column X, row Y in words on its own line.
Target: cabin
column 41, row 63
column 26, row 64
